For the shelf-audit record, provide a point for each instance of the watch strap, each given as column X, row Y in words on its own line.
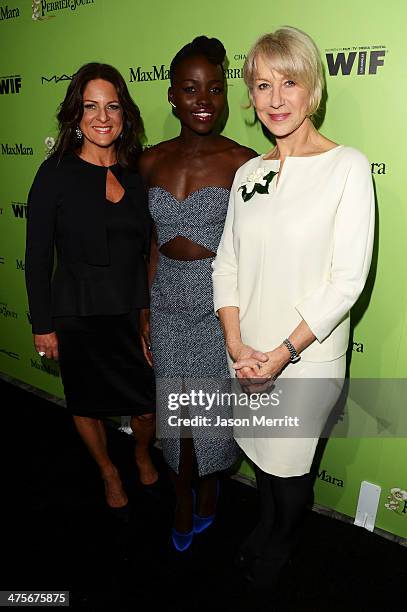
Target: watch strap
column 294, row 356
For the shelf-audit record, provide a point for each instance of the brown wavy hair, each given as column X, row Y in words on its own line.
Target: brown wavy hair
column 128, row 146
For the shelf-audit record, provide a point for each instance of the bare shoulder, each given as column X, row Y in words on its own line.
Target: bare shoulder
column 152, row 156
column 239, row 153
column 243, row 155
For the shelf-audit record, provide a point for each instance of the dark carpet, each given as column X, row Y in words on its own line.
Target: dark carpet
column 58, row 535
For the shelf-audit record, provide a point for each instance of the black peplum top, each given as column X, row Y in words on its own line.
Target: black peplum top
column 101, row 248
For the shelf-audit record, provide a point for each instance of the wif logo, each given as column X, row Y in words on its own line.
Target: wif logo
column 10, row 84
column 6, row 13
column 355, row 60
column 20, row 210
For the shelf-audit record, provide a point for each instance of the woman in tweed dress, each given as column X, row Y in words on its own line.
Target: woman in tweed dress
column 189, row 179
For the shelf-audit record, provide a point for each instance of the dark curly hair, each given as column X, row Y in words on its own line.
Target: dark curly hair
column 211, row 48
column 128, row 147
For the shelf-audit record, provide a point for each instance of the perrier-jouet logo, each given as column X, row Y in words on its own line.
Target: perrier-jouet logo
column 397, row 501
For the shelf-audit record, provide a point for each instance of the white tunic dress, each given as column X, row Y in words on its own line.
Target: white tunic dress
column 302, row 251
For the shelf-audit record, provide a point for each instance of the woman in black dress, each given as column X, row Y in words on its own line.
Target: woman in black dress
column 89, row 203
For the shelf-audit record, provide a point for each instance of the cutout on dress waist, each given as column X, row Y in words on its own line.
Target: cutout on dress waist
column 193, row 249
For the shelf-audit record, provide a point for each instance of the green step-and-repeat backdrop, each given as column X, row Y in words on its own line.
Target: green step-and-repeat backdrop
column 363, row 48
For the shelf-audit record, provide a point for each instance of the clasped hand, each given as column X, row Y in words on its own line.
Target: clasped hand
column 255, row 369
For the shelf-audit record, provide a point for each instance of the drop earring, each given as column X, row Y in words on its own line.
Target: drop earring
column 78, row 133
column 172, row 103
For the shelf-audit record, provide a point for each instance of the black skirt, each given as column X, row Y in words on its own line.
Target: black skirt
column 103, row 369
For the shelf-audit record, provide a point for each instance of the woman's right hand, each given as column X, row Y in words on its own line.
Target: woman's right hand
column 249, row 356
column 48, row 344
column 145, row 335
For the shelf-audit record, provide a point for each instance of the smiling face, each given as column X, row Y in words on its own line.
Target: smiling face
column 102, row 119
column 281, row 103
column 198, row 92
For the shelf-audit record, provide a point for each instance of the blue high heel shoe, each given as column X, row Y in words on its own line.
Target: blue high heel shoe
column 203, row 522
column 182, row 541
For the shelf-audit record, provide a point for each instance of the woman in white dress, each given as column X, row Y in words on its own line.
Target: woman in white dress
column 293, row 259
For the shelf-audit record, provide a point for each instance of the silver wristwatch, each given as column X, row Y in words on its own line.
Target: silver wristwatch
column 294, row 356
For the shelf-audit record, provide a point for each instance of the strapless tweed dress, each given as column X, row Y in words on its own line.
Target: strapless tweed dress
column 186, row 337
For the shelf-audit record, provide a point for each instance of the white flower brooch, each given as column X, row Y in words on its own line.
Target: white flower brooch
column 257, row 182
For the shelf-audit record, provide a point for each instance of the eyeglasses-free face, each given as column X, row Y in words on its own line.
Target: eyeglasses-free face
column 102, row 119
column 198, row 93
column 280, row 102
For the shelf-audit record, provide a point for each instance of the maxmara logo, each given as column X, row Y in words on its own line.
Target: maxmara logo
column 10, row 84
column 46, row 367
column 43, row 10
column 6, row 312
column 8, row 13
column 397, row 501
column 9, row 353
column 378, row 168
column 16, row 149
column 162, row 73
column 156, row 73
column 355, row 60
column 325, row 477
column 358, row 347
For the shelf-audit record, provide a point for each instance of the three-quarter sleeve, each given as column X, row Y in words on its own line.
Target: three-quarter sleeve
column 39, row 254
column 325, row 307
column 224, row 275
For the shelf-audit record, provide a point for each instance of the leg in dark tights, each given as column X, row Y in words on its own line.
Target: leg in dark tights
column 253, row 546
column 286, row 499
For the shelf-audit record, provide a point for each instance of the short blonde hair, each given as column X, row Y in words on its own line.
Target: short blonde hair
column 292, row 53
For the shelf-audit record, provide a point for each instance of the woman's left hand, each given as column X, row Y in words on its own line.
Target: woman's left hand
column 145, row 335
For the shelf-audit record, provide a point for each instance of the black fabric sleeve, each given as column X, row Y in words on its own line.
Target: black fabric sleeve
column 39, row 254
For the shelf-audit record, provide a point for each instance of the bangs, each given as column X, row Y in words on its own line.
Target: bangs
column 291, row 53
